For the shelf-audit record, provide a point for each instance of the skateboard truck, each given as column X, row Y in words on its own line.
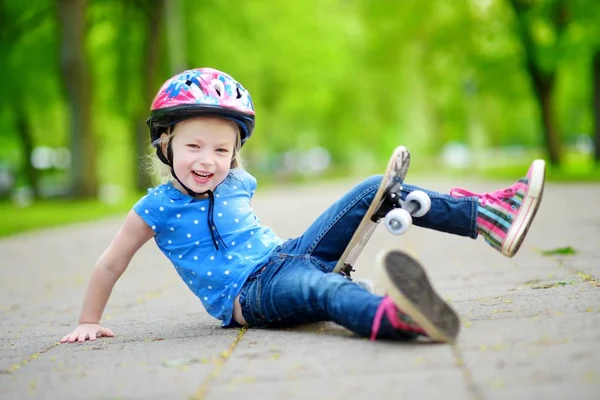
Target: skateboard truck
column 387, row 204
column 391, row 199
column 397, row 213
column 347, row 269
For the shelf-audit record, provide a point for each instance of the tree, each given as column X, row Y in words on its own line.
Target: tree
column 28, row 90
column 142, row 25
column 77, row 82
column 541, row 61
column 153, row 28
column 9, row 37
column 175, row 35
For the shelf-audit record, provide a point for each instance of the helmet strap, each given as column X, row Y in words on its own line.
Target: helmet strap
column 214, row 233
column 171, row 164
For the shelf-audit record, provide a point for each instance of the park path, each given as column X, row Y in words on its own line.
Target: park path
column 531, row 324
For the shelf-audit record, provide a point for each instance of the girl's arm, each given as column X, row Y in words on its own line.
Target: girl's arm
column 111, row 265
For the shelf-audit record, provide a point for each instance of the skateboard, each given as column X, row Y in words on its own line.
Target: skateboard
column 388, row 205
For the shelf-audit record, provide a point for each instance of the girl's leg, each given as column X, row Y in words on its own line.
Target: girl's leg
column 502, row 217
column 455, row 215
column 327, row 237
column 292, row 291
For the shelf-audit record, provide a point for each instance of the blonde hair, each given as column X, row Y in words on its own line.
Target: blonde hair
column 163, row 171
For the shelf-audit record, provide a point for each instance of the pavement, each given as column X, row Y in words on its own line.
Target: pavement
column 530, row 324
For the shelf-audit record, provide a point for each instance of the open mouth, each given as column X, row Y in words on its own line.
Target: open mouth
column 202, row 176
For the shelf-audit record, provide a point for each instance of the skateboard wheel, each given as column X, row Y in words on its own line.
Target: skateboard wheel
column 420, row 201
column 398, row 221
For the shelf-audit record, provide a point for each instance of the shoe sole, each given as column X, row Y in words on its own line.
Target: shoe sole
column 407, row 284
column 531, row 203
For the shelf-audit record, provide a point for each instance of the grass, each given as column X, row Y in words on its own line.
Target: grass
column 51, row 213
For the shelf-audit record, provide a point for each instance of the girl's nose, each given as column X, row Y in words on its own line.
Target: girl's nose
column 205, row 159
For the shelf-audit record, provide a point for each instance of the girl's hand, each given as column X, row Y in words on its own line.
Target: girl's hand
column 87, row 332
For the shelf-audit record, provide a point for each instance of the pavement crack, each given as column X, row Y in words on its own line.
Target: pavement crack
column 471, row 386
column 34, row 356
column 220, row 363
column 148, row 296
column 584, row 276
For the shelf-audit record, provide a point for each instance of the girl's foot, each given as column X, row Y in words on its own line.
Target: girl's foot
column 412, row 305
column 504, row 217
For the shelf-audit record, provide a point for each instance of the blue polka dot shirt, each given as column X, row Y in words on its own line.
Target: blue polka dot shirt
column 182, row 234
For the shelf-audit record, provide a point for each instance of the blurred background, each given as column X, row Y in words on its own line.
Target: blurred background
column 472, row 87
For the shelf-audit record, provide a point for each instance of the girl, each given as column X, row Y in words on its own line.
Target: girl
column 241, row 271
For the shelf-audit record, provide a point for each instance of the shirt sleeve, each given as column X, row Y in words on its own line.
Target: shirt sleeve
column 148, row 210
column 247, row 180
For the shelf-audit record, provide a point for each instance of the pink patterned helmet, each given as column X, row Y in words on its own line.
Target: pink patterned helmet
column 201, row 91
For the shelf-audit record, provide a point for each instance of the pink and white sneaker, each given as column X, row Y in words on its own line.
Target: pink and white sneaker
column 504, row 216
column 412, row 305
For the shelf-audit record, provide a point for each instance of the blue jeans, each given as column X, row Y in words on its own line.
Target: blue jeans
column 297, row 285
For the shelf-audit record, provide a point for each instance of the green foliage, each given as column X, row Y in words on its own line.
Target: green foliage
column 356, row 78
column 560, row 251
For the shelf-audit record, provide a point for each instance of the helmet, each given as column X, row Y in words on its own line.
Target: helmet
column 196, row 92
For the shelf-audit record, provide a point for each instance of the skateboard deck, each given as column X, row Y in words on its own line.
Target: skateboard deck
column 393, row 179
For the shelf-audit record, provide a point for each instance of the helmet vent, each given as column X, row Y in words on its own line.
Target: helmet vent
column 239, row 95
column 217, row 86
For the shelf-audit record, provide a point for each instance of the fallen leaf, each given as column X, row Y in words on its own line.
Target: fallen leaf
column 563, row 251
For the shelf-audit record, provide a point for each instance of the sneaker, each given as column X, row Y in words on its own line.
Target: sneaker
column 504, row 217
column 412, row 305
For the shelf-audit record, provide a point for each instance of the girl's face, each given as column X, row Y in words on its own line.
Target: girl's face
column 203, row 148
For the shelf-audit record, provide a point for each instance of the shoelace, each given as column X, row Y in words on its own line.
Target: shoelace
column 485, row 197
column 388, row 307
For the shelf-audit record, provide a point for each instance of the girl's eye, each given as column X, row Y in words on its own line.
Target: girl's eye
column 193, row 146
column 222, row 150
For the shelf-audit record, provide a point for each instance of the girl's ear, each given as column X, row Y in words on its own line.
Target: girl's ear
column 164, row 143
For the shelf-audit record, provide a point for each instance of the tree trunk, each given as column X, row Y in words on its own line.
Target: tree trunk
column 24, row 131
column 175, row 36
column 72, row 20
column 155, row 23
column 544, row 89
column 596, row 106
column 543, row 83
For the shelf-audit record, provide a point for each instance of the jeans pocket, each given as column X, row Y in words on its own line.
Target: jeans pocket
column 250, row 301
column 247, row 300
column 321, row 265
